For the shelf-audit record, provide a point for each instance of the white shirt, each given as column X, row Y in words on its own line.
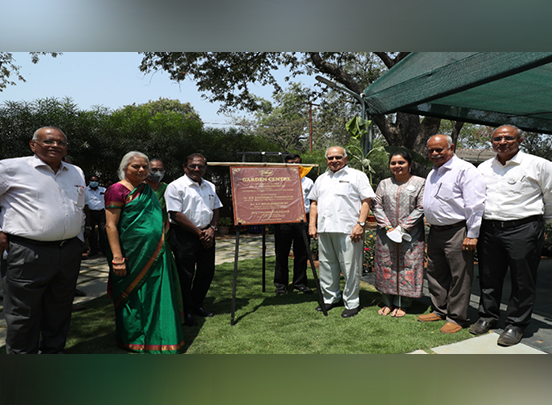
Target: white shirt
column 455, row 192
column 339, row 199
column 95, row 198
column 197, row 202
column 519, row 189
column 39, row 204
column 306, row 185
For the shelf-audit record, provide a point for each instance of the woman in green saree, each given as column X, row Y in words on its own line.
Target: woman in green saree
column 144, row 279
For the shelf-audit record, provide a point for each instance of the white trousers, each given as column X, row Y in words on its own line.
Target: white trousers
column 338, row 254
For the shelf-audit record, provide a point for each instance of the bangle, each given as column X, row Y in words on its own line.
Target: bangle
column 114, row 262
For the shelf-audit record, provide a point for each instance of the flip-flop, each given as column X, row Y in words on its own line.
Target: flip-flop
column 397, row 314
column 385, row 310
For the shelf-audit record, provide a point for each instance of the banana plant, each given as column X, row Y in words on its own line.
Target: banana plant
column 359, row 129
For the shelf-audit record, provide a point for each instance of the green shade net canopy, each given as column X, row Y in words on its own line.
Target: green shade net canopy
column 488, row 88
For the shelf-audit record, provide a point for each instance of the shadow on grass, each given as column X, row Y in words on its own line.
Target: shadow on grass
column 273, row 324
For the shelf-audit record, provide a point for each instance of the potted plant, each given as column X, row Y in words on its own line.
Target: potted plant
column 224, row 224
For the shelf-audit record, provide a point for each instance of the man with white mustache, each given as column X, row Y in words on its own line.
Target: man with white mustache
column 454, row 202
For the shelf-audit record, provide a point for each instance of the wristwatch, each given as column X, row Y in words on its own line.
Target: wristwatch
column 363, row 224
column 214, row 228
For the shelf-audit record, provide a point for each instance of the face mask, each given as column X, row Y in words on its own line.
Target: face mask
column 94, row 184
column 156, row 177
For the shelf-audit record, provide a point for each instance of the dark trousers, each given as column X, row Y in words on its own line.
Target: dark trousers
column 97, row 218
column 195, row 264
column 449, row 273
column 518, row 248
column 284, row 236
column 39, row 284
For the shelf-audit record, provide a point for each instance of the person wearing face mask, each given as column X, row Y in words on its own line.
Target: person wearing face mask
column 454, row 202
column 95, row 209
column 156, row 174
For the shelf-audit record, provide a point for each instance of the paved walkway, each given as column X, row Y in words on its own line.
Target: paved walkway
column 538, row 340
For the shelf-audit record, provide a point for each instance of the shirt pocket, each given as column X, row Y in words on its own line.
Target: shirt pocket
column 76, row 193
column 343, row 188
column 445, row 192
column 521, row 185
column 211, row 201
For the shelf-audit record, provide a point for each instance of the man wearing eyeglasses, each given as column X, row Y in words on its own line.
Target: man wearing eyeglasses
column 454, row 200
column 41, row 229
column 519, row 202
column 193, row 207
column 340, row 203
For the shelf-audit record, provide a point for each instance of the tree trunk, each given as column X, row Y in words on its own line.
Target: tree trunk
column 409, row 132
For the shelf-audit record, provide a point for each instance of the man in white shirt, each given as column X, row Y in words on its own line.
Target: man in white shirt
column 454, row 200
column 193, row 207
column 340, row 203
column 519, row 202
column 42, row 200
column 284, row 236
column 94, row 200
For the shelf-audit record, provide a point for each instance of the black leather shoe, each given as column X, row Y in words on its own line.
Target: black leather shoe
column 349, row 313
column 511, row 336
column 330, row 306
column 303, row 288
column 203, row 312
column 79, row 293
column 78, row 307
column 281, row 290
column 482, row 326
column 189, row 320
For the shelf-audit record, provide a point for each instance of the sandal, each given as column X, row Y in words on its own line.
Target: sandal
column 398, row 313
column 385, row 310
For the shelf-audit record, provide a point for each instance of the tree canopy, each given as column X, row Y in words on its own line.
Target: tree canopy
column 99, row 138
column 228, row 76
column 9, row 70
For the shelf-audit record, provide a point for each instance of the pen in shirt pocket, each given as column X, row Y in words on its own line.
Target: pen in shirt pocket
column 438, row 189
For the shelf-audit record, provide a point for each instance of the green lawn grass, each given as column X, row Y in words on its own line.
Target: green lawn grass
column 274, row 324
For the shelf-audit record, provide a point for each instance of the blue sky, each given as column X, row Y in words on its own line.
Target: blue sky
column 111, row 79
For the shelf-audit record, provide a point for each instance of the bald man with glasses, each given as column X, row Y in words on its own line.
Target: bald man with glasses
column 340, row 203
column 519, row 203
column 41, row 229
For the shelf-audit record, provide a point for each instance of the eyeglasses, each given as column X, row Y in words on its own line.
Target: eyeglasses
column 155, row 170
column 506, row 138
column 50, row 142
column 193, row 167
column 438, row 150
column 334, row 157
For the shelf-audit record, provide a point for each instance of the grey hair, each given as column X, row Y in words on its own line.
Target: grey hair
column 331, row 147
column 448, row 138
column 35, row 134
column 126, row 160
column 519, row 131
